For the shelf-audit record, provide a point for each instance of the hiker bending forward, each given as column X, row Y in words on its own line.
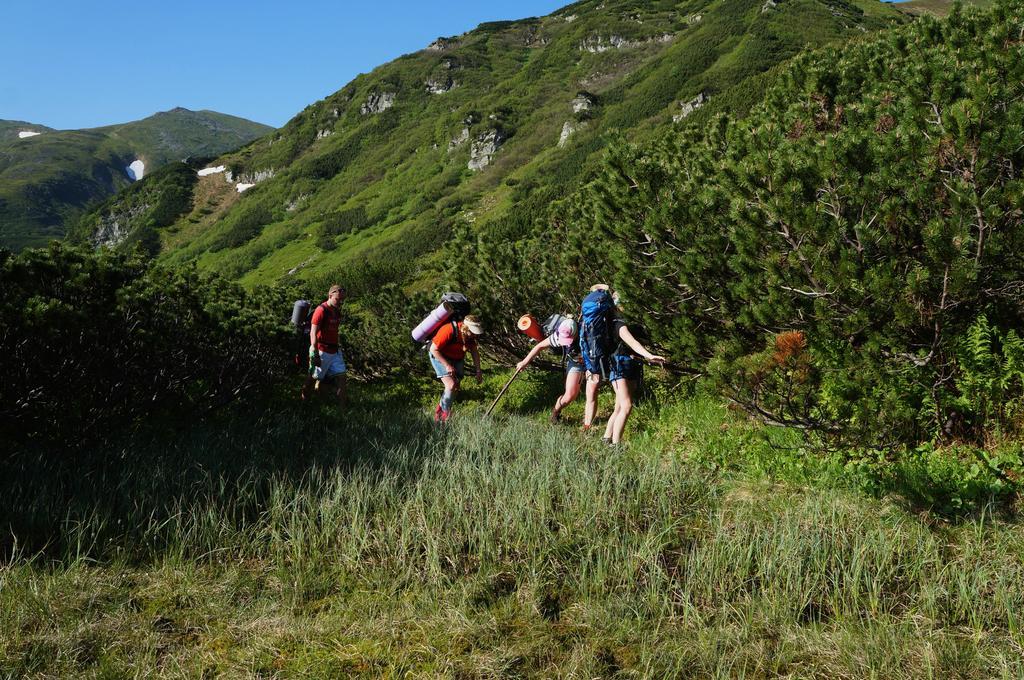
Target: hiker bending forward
column 448, row 357
column 326, row 358
column 565, row 339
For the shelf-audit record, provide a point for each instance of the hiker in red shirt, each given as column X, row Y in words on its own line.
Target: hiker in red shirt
column 325, row 356
column 448, row 357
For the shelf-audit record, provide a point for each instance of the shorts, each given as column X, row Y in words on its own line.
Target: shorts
column 331, row 364
column 625, row 367
column 441, row 372
column 572, row 366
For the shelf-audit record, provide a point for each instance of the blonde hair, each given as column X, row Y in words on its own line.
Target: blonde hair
column 600, row 286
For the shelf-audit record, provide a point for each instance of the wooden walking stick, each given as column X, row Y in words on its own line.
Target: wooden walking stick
column 495, row 402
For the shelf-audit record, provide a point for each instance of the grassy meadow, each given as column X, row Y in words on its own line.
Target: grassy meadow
column 294, row 542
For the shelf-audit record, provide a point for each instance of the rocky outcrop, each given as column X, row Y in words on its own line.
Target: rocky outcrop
column 378, row 102
column 114, row 228
column 533, row 38
column 439, row 85
column 567, row 131
column 442, row 44
column 250, row 178
column 296, row 203
column 582, row 103
column 458, row 140
column 484, row 147
column 768, row 4
column 295, row 270
column 686, row 108
column 596, row 44
column 323, row 134
column 694, row 19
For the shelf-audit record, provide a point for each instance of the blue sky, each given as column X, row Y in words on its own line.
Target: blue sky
column 78, row 64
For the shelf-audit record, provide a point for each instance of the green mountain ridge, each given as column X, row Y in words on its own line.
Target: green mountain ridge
column 47, row 180
column 10, row 129
column 485, row 128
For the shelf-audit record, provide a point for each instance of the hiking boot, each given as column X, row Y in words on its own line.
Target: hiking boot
column 556, row 417
column 437, row 414
column 445, row 415
column 607, row 441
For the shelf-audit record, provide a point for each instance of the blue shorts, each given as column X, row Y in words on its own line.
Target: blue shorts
column 441, row 372
column 624, row 367
column 572, row 366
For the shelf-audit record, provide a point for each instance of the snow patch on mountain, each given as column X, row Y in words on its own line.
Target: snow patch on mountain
column 136, row 171
column 241, row 186
column 24, row 134
column 211, row 171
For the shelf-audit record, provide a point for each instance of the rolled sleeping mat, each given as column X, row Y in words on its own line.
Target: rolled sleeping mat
column 529, row 325
column 430, row 324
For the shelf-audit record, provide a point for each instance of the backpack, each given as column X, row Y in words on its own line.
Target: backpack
column 551, row 324
column 457, row 305
column 301, row 323
column 596, row 342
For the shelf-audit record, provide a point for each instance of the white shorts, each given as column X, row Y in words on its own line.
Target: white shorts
column 330, row 365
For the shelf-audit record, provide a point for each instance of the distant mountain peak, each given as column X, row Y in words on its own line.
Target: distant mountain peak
column 46, row 182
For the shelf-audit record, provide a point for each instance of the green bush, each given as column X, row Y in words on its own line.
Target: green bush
column 94, row 342
column 345, row 221
column 246, row 225
column 869, row 204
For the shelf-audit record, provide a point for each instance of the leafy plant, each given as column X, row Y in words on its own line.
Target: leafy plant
column 94, row 342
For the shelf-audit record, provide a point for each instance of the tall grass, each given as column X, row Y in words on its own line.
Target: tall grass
column 378, row 545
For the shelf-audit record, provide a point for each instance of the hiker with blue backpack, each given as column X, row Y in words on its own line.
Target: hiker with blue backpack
column 606, row 343
column 561, row 335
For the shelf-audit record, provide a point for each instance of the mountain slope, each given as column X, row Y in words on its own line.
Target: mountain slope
column 48, row 178
column 11, row 130
column 937, row 8
column 486, row 127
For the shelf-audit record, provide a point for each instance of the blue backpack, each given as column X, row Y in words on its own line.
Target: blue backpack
column 596, row 341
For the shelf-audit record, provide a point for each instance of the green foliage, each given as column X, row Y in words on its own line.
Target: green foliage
column 244, row 225
column 870, row 203
column 990, row 380
column 406, row 168
column 345, row 221
column 95, row 342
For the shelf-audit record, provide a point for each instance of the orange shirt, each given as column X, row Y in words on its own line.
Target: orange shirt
column 451, row 344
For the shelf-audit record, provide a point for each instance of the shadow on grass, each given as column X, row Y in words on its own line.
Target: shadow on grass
column 115, row 494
